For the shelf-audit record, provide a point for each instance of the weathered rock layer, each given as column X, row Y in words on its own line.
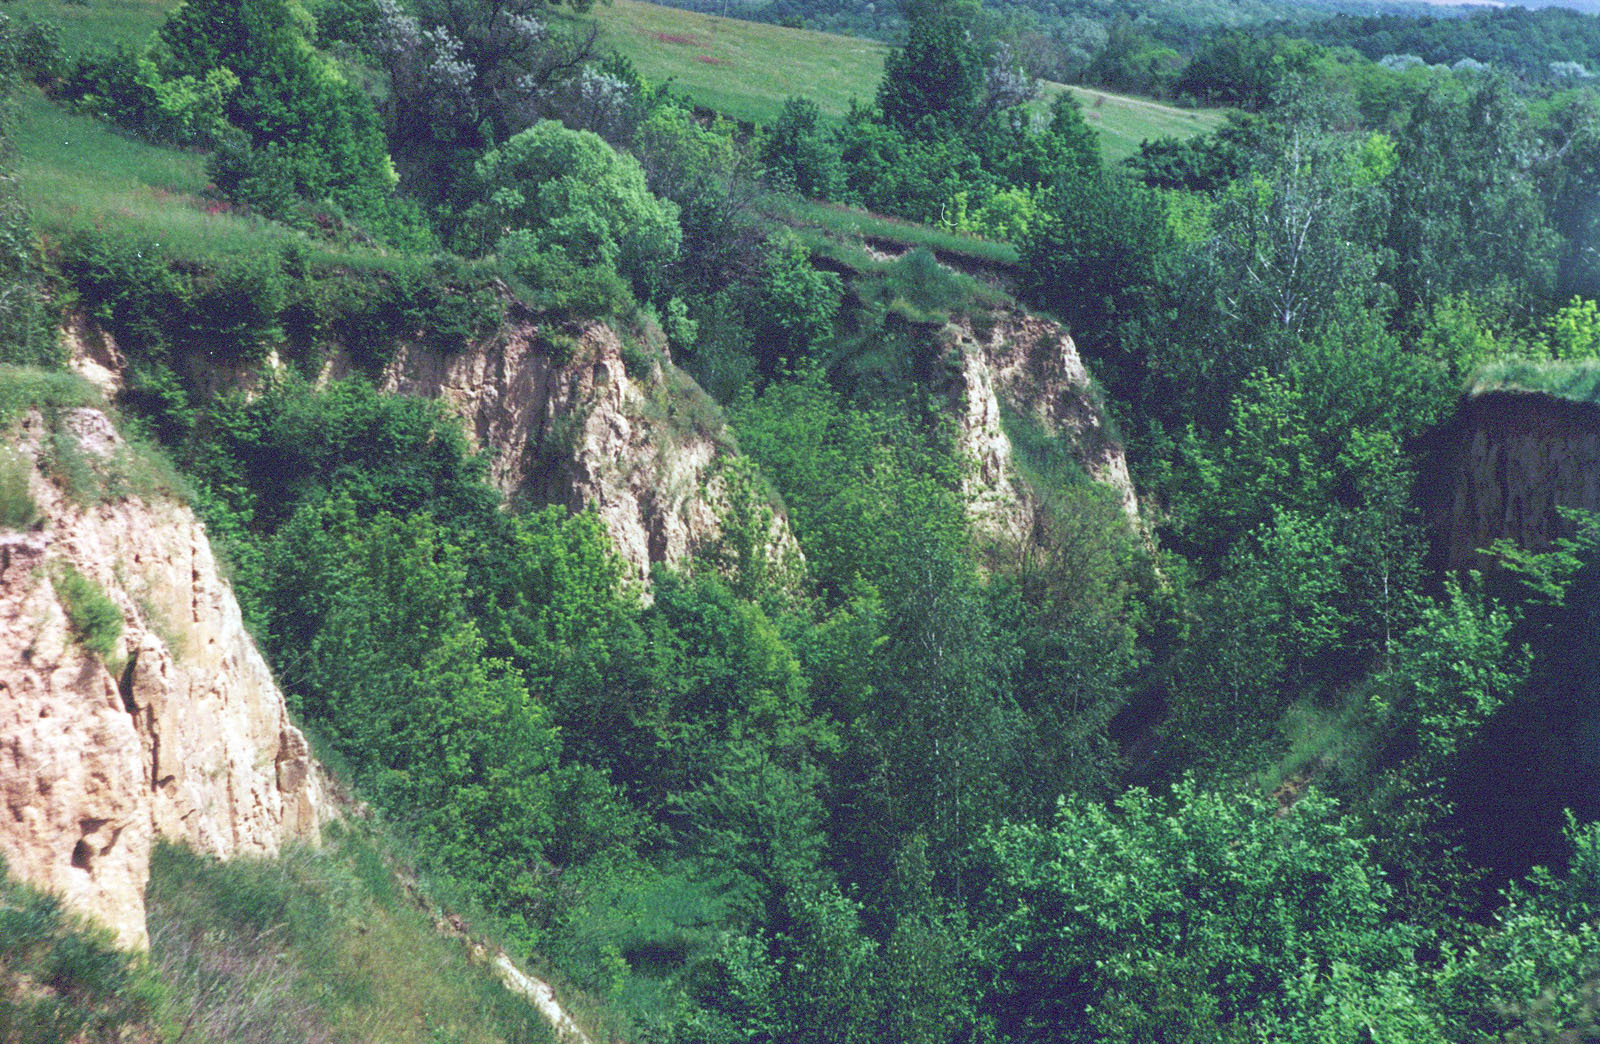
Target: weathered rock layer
column 1029, row 367
column 646, row 452
column 1505, row 467
column 179, row 733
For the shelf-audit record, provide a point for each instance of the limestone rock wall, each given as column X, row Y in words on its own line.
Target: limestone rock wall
column 572, row 426
column 180, row 733
column 1504, row 467
column 1029, row 366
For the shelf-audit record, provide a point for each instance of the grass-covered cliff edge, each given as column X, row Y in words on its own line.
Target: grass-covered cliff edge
column 794, row 570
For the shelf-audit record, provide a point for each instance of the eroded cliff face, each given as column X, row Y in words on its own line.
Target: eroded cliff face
column 1029, row 367
column 1504, row 467
column 180, row 733
column 570, row 425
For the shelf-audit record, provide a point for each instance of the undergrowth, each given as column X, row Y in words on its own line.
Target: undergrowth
column 17, row 508
column 27, row 387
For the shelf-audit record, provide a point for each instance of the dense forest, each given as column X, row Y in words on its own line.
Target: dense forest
column 1231, row 770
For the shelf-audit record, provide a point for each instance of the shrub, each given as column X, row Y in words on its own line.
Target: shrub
column 260, row 178
column 560, row 285
column 17, row 509
column 128, row 89
column 577, row 203
column 127, row 285
column 637, row 360
column 94, row 616
column 235, row 309
column 39, row 50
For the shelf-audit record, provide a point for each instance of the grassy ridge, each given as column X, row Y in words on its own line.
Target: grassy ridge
column 1577, row 381
column 746, row 69
column 836, row 221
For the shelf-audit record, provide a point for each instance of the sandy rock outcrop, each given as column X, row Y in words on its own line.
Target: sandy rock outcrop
column 180, row 733
column 1029, row 367
column 1504, row 467
column 571, row 426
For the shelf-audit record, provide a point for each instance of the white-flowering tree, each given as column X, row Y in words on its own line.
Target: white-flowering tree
column 466, row 75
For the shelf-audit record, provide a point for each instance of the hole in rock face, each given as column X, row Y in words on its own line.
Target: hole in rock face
column 81, row 854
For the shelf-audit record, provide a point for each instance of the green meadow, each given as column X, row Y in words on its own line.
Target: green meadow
column 746, row 69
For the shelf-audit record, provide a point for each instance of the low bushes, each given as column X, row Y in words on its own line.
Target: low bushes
column 95, row 617
column 236, row 309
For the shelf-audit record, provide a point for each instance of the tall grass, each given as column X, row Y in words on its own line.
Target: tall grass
column 100, row 23
column 62, row 981
column 25, row 387
column 17, row 509
column 317, row 945
column 79, row 173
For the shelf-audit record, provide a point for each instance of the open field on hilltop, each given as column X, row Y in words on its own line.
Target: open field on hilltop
column 742, row 69
column 746, row 70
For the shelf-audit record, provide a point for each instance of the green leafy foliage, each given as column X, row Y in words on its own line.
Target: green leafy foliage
column 557, row 200
column 1189, row 916
column 810, row 798
column 95, row 617
column 937, row 75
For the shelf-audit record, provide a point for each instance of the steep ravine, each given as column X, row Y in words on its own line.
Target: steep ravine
column 563, row 421
column 179, row 733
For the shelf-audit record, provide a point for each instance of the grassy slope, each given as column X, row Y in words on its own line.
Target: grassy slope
column 77, row 172
column 1123, row 121
column 746, row 69
column 836, row 221
column 317, row 945
column 743, row 69
column 100, row 23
